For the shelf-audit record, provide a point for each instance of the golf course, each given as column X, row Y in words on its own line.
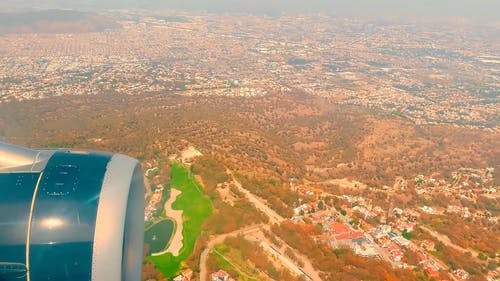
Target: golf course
column 196, row 207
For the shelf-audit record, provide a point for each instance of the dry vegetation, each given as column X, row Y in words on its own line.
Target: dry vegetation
column 274, row 136
column 478, row 235
column 339, row 264
column 247, row 255
column 455, row 259
column 265, row 141
column 229, row 218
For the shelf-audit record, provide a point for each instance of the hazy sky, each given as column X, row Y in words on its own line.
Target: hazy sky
column 483, row 10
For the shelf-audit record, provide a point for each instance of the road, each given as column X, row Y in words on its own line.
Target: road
column 383, row 253
column 274, row 218
column 284, row 260
column 447, row 242
column 307, row 270
column 217, row 240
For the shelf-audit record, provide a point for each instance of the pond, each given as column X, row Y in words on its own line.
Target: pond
column 159, row 235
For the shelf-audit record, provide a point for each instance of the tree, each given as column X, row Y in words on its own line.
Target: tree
column 407, row 235
column 321, row 205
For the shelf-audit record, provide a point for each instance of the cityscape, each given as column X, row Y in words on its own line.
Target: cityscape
column 291, row 147
column 430, row 76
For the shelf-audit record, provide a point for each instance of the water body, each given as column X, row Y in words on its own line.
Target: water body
column 159, row 235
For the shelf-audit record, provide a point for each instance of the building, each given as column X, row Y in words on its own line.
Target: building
column 302, row 209
column 179, row 278
column 430, row 267
column 185, row 275
column 396, row 252
column 220, row 275
column 461, row 274
column 428, row 210
column 364, row 249
column 401, row 241
column 342, row 234
column 428, row 245
column 381, row 231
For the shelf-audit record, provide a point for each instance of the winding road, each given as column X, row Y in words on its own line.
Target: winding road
column 274, row 218
column 217, row 240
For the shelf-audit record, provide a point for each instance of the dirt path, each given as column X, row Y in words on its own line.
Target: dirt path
column 217, row 240
column 240, row 271
column 447, row 242
column 307, row 270
column 258, row 202
column 175, row 215
column 284, row 260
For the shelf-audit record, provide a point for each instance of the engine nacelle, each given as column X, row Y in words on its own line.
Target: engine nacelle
column 70, row 215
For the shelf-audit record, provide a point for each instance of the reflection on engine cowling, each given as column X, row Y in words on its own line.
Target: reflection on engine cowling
column 68, row 215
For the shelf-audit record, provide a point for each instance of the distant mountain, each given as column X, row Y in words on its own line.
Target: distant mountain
column 54, row 21
column 478, row 10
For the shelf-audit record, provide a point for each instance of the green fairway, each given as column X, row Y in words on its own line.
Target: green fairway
column 158, row 235
column 197, row 208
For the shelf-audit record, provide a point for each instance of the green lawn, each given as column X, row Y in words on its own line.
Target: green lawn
column 197, row 208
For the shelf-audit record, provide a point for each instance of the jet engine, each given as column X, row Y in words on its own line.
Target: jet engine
column 70, row 215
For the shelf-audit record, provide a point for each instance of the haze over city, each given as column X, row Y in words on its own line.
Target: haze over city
column 279, row 140
column 478, row 10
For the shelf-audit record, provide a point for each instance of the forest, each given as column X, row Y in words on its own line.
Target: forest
column 265, row 142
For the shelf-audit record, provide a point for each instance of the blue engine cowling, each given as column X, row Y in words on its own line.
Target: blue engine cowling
column 70, row 215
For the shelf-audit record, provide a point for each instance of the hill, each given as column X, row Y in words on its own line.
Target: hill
column 274, row 136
